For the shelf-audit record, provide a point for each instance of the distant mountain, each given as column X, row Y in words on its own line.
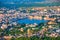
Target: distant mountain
column 21, row 1
column 28, row 3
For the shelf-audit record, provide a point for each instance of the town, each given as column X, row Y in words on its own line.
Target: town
column 38, row 22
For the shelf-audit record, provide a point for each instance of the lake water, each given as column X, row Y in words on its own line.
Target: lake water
column 30, row 21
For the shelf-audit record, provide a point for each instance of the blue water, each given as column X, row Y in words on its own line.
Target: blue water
column 28, row 21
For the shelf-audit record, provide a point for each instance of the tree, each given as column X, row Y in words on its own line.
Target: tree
column 12, row 38
column 35, row 38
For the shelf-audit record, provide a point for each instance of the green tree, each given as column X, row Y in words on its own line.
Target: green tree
column 12, row 38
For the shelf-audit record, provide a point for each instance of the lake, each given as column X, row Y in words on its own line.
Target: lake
column 30, row 21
